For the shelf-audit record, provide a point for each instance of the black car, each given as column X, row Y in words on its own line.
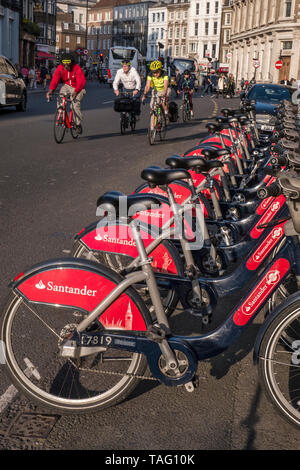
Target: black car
column 267, row 97
column 12, row 87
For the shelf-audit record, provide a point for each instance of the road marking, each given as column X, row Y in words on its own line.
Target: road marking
column 106, row 102
column 11, row 392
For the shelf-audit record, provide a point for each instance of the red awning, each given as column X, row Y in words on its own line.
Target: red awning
column 223, row 69
column 44, row 55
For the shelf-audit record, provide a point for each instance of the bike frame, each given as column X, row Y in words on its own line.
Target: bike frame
column 67, row 119
column 197, row 347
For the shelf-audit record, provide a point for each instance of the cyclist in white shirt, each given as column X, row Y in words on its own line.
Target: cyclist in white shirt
column 129, row 78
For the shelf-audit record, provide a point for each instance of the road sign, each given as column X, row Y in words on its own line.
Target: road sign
column 256, row 64
column 278, row 64
column 228, row 55
column 85, row 51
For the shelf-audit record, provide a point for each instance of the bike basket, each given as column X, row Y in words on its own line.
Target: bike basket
column 123, row 105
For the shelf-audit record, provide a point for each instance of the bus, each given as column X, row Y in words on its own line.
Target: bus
column 119, row 53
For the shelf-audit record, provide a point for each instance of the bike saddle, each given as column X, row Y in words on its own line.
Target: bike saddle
column 288, row 144
column 162, row 177
column 200, row 165
column 212, row 154
column 222, row 122
column 290, row 185
column 213, row 127
column 113, row 201
column 291, row 134
column 293, row 158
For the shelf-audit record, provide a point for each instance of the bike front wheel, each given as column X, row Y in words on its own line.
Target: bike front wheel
column 163, row 126
column 33, row 333
column 59, row 125
column 152, row 128
column 279, row 362
column 123, row 123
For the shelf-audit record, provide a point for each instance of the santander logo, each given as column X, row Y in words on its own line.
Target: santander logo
column 50, row 286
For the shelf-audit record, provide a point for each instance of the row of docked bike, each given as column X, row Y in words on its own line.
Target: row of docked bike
column 213, row 236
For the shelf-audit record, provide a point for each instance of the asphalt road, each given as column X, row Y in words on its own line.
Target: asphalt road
column 48, row 193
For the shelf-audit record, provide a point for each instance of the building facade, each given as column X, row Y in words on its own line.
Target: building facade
column 264, row 31
column 225, row 35
column 100, row 26
column 9, row 29
column 44, row 13
column 130, row 24
column 29, row 31
column 204, row 29
column 157, row 31
column 178, row 20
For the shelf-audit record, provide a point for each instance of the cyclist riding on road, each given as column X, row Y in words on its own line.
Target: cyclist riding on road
column 130, row 79
column 186, row 83
column 159, row 82
column 73, row 79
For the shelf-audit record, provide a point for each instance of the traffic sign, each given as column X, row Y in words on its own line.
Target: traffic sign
column 228, row 55
column 85, row 51
column 256, row 64
column 278, row 64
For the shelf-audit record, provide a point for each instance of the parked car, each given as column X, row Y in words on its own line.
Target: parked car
column 12, row 87
column 267, row 96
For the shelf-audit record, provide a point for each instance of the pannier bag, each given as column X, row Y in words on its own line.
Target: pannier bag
column 173, row 111
column 123, row 105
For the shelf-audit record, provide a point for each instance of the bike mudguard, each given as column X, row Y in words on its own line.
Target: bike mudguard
column 116, row 237
column 82, row 284
column 271, row 317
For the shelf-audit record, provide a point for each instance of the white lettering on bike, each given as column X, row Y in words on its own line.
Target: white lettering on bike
column 66, row 289
column 116, row 241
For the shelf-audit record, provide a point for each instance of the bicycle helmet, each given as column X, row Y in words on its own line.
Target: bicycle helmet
column 125, row 62
column 67, row 59
column 155, row 65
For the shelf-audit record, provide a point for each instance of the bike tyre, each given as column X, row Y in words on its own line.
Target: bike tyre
column 163, row 126
column 59, row 127
column 274, row 363
column 123, row 124
column 152, row 128
column 137, row 365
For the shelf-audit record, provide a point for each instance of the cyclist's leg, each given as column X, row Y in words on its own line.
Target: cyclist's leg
column 191, row 102
column 77, row 108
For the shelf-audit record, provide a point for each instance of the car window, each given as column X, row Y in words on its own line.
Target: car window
column 3, row 67
column 10, row 68
column 269, row 94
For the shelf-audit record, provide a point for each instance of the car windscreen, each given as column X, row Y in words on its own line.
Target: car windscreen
column 269, row 94
column 183, row 65
column 119, row 53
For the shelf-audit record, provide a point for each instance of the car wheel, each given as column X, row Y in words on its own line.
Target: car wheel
column 22, row 105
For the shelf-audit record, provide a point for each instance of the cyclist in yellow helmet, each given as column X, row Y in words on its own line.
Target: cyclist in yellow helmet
column 158, row 80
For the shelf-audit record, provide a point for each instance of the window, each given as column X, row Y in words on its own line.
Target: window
column 217, row 7
column 183, row 50
column 177, row 33
column 185, row 15
column 228, row 19
column 78, row 40
column 104, row 44
column 153, row 17
column 288, row 8
column 57, row 38
column 227, row 35
column 67, row 39
column 171, row 33
column 66, row 25
column 158, row 17
column 76, row 27
column 152, row 51
column 172, row 16
column 206, row 28
column 178, row 15
column 197, row 8
column 162, row 33
column 81, row 18
column 205, row 50
column 287, row 45
column 215, row 27
column 196, row 29
column 214, row 50
column 163, row 17
column 184, row 32
column 67, row 50
column 176, row 51
column 207, row 8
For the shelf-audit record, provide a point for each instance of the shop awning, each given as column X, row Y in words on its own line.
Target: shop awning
column 44, row 55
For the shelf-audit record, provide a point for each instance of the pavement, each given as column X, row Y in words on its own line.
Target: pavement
column 48, row 193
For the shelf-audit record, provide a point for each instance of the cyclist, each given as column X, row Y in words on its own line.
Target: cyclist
column 73, row 79
column 187, row 84
column 159, row 82
column 131, row 81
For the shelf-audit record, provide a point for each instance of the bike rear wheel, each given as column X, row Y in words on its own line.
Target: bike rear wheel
column 163, row 126
column 59, row 125
column 133, row 122
column 279, row 362
column 63, row 384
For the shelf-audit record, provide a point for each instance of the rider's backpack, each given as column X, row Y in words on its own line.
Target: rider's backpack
column 173, row 111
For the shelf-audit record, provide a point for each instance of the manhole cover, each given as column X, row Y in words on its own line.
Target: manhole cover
column 31, row 425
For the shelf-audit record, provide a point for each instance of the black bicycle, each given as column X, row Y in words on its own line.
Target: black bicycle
column 126, row 106
column 186, row 107
column 157, row 124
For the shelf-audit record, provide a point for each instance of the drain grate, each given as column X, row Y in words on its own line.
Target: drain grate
column 32, row 425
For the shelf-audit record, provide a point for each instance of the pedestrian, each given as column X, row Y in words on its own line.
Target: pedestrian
column 230, row 86
column 206, row 84
column 285, row 81
column 32, row 78
column 24, row 72
column 44, row 76
column 242, row 84
column 221, row 86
